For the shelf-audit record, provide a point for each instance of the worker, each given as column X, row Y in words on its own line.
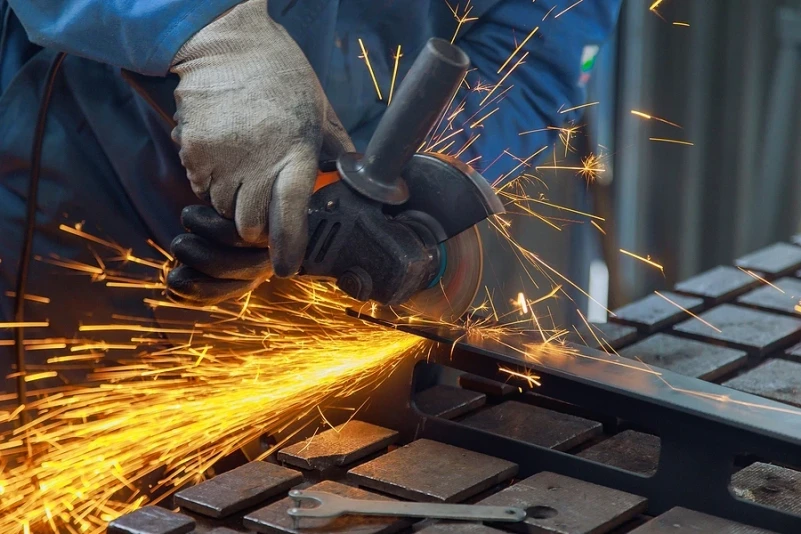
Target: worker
column 263, row 91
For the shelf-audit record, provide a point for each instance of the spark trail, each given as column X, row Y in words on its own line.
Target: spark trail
column 168, row 414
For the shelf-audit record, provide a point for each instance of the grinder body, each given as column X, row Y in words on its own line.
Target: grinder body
column 372, row 256
column 379, row 230
column 391, row 225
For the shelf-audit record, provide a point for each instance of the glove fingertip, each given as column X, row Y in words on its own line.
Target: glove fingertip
column 251, row 234
column 186, row 215
column 287, row 250
column 250, row 215
column 286, row 267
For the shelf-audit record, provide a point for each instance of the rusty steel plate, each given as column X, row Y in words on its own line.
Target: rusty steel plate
column 755, row 332
column 557, row 504
column 430, row 471
column 776, row 259
column 151, row 520
column 237, row 489
column 717, row 285
column 779, row 380
column 630, row 450
column 448, row 401
column 686, row 357
column 771, row 485
column 532, row 424
column 339, row 446
column 683, row 521
column 655, row 313
column 782, row 296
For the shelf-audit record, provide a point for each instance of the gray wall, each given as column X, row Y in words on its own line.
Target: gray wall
column 737, row 189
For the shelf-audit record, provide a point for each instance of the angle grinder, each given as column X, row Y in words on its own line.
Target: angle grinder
column 393, row 225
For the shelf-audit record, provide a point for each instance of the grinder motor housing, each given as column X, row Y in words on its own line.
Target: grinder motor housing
column 379, row 229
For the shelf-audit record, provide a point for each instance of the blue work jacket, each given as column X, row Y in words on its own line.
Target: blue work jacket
column 99, row 118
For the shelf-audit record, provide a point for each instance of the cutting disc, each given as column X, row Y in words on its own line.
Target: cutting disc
column 456, row 290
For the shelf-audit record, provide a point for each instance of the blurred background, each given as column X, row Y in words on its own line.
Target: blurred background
column 727, row 72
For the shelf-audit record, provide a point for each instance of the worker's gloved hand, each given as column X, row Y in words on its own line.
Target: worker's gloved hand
column 216, row 263
column 253, row 122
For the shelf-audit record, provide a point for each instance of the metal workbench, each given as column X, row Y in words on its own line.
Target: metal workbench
column 677, row 425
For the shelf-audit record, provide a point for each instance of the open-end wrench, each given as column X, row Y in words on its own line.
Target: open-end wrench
column 331, row 505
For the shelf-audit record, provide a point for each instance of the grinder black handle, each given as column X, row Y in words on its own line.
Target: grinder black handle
column 417, row 104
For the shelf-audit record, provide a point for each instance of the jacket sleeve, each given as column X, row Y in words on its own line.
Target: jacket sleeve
column 548, row 81
column 139, row 35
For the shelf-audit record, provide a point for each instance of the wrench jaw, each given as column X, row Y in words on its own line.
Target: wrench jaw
column 326, row 505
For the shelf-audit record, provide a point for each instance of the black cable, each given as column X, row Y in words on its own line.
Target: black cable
column 30, row 228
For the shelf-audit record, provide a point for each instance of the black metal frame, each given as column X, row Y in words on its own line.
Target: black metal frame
column 703, row 427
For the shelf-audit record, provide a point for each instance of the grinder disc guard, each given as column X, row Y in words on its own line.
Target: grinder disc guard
column 450, row 298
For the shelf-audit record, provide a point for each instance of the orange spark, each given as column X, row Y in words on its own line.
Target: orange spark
column 644, row 260
column 461, row 19
column 651, row 117
column 503, row 79
column 532, row 259
column 135, row 328
column 685, row 24
column 552, row 294
column 130, row 257
column 444, row 149
column 586, row 169
column 528, row 376
column 523, row 162
column 33, row 342
column 75, row 358
column 396, row 57
column 482, row 119
column 83, row 235
column 26, row 324
column 676, row 141
column 103, row 346
column 564, row 208
column 467, row 145
column 46, row 346
column 40, row 376
column 440, row 141
column 366, row 59
column 136, row 285
column 598, row 227
column 568, row 110
column 76, row 266
column 160, row 250
column 521, row 302
column 754, row 275
column 589, row 167
column 516, row 50
column 32, row 298
column 688, row 312
column 568, row 9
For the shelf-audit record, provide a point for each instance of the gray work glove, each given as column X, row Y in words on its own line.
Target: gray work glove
column 253, row 123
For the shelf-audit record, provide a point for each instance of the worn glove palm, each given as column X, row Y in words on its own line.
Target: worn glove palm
column 253, row 123
column 215, row 263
